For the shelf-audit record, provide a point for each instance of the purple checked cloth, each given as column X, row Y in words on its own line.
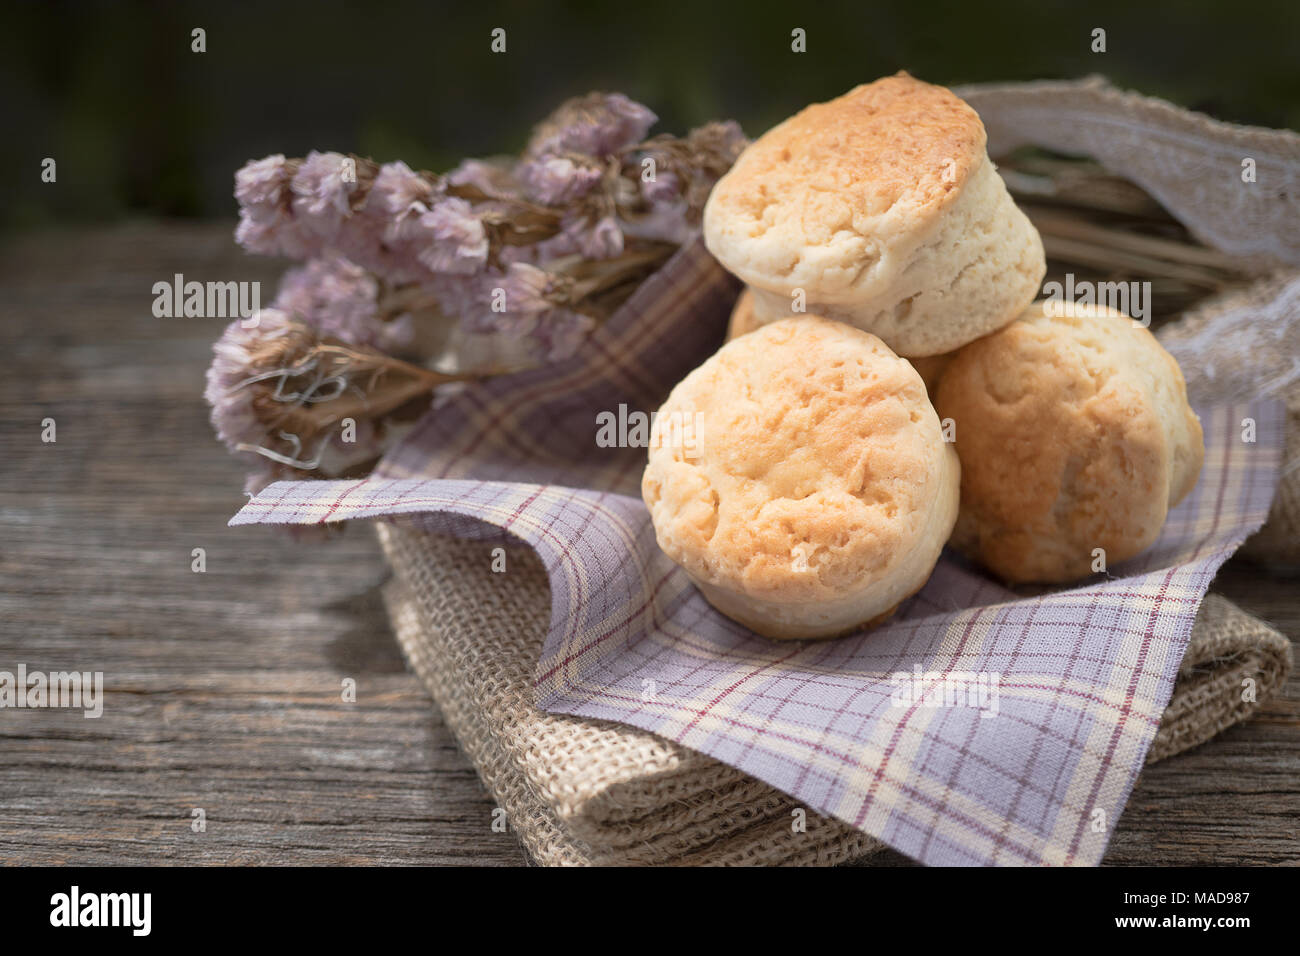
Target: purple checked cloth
column 1036, row 771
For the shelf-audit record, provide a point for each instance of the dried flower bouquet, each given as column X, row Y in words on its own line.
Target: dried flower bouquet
column 411, row 281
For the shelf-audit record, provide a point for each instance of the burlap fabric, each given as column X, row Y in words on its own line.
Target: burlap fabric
column 580, row 792
column 1190, row 163
column 1246, row 343
column 1234, row 661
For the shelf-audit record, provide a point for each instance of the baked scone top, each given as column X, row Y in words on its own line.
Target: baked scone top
column 818, row 458
column 817, row 201
column 1074, row 433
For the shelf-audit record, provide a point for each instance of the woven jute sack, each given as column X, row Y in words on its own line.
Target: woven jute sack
column 587, row 792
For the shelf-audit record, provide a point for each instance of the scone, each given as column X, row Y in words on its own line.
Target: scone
column 1074, row 434
column 884, row 209
column 818, row 492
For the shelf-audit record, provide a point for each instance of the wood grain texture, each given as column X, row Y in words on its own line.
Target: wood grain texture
column 223, row 689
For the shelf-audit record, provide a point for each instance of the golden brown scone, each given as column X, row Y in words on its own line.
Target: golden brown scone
column 1074, row 434
column 817, row 492
column 883, row 207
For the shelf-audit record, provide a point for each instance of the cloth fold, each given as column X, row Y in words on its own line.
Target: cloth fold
column 868, row 729
column 578, row 791
column 575, row 791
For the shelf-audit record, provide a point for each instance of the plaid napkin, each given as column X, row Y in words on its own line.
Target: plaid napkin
column 885, row 731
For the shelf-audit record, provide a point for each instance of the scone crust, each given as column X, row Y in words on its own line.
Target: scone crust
column 1074, row 434
column 815, row 439
column 807, row 204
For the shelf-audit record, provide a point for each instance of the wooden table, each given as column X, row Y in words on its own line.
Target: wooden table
column 223, row 688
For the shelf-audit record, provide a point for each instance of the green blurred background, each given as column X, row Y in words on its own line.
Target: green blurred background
column 142, row 126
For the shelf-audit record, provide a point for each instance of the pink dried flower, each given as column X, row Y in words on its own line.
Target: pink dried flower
column 383, row 234
column 459, row 295
column 234, row 358
column 598, row 124
column 271, row 234
column 458, row 242
column 560, row 333
column 665, row 187
column 664, row 221
column 543, row 336
column 493, row 178
column 580, row 235
column 397, row 188
column 281, row 391
column 338, row 298
column 528, row 289
column 264, row 182
column 603, row 240
column 322, row 190
column 399, row 197
column 266, row 223
column 724, row 140
column 556, row 180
